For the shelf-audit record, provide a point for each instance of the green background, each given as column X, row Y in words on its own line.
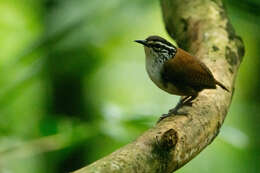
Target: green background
column 73, row 85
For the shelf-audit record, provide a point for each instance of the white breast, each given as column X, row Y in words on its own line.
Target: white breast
column 153, row 67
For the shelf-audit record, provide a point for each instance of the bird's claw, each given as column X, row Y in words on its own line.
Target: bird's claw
column 163, row 116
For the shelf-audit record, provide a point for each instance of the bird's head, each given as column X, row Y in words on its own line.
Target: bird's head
column 158, row 47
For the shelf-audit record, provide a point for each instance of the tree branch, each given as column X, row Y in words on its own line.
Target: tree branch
column 202, row 28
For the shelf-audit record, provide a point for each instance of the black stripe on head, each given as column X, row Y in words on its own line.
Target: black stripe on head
column 156, row 38
column 162, row 46
column 159, row 43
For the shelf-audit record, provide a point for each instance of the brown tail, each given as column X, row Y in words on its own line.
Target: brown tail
column 221, row 85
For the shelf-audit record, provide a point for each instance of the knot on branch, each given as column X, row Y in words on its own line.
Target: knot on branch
column 163, row 147
column 165, row 142
column 169, row 139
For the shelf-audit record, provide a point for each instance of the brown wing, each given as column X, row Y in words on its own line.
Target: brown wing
column 186, row 70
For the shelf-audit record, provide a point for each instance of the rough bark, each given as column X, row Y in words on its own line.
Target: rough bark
column 202, row 28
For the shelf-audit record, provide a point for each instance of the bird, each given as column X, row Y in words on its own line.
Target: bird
column 176, row 71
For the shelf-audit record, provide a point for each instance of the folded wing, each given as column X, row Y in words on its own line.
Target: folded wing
column 188, row 71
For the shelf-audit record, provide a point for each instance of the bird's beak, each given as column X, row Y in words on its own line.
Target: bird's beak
column 143, row 42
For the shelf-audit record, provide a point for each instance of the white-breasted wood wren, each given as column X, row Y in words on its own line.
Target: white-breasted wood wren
column 176, row 71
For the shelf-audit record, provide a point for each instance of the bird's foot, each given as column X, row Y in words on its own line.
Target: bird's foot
column 163, row 116
column 178, row 106
column 187, row 101
column 176, row 112
column 172, row 112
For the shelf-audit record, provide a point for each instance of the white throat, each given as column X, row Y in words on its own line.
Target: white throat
column 154, row 66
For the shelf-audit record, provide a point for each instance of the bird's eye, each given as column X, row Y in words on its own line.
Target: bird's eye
column 156, row 49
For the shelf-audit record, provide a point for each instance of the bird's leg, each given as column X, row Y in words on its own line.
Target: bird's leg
column 184, row 99
column 180, row 103
column 187, row 100
column 175, row 110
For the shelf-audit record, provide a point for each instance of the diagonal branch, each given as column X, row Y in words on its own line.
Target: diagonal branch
column 202, row 28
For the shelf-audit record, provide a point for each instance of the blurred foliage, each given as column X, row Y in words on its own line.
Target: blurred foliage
column 74, row 87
